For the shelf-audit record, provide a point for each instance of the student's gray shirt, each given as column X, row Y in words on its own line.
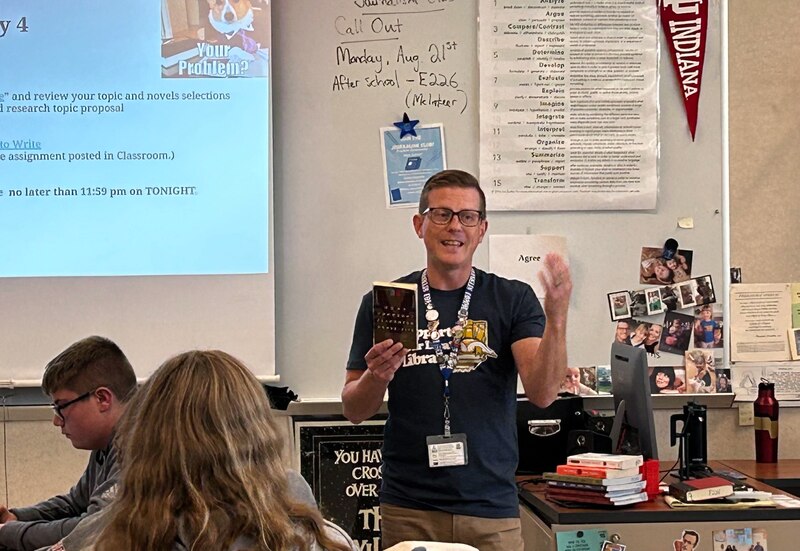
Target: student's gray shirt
column 83, row 537
column 47, row 522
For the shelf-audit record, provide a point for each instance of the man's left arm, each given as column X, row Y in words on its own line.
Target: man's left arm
column 542, row 362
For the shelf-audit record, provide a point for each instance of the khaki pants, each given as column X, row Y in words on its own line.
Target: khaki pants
column 487, row 534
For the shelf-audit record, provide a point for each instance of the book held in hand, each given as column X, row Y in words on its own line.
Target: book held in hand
column 394, row 309
column 701, row 489
column 608, row 460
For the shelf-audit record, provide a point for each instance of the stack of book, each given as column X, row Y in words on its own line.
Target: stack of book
column 598, row 479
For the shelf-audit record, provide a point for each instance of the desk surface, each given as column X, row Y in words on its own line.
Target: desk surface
column 532, row 494
column 788, row 469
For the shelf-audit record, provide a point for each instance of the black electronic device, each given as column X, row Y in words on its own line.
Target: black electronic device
column 692, row 440
column 542, row 433
column 634, row 430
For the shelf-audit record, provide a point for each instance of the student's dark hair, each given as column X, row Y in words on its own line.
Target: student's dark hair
column 451, row 178
column 88, row 364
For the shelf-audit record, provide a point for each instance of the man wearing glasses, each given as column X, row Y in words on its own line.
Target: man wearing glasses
column 90, row 383
column 450, row 451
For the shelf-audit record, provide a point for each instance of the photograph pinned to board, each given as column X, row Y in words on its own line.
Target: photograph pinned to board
column 581, row 381
column 409, row 161
column 652, row 336
column 638, row 303
column 700, row 372
column 740, row 539
column 724, row 380
column 669, row 298
column 611, row 546
column 667, row 380
column 522, row 256
column 654, row 303
column 619, row 305
column 655, row 300
column 622, row 331
column 638, row 333
column 708, row 326
column 704, row 290
column 654, row 269
column 589, row 377
column 686, row 295
column 603, row 379
column 677, row 333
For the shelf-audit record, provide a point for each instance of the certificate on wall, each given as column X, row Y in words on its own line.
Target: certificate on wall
column 409, row 161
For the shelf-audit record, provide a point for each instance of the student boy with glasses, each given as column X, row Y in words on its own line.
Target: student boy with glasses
column 90, row 383
column 450, row 451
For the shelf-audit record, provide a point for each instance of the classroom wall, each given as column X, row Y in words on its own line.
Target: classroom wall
column 39, row 462
column 764, row 139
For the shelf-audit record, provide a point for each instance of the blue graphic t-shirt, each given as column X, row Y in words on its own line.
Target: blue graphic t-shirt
column 482, row 400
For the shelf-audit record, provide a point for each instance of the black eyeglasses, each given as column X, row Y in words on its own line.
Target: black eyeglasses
column 442, row 216
column 59, row 408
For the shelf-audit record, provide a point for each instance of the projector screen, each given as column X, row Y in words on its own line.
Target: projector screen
column 135, row 198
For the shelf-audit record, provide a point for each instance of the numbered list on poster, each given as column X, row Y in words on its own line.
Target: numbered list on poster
column 568, row 104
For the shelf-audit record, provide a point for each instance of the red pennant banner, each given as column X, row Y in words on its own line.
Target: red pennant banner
column 685, row 23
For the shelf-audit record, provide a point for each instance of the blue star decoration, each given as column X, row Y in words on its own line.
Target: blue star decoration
column 406, row 126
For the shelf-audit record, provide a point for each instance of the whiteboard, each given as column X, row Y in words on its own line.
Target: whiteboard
column 334, row 235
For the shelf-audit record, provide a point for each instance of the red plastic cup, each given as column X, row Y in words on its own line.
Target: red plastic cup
column 650, row 475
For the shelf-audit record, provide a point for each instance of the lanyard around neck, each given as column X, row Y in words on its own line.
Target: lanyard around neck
column 447, row 363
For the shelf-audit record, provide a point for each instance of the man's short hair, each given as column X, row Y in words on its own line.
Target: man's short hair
column 451, row 178
column 88, row 364
column 692, row 533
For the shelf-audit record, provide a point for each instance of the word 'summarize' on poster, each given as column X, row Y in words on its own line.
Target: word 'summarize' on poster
column 568, row 104
column 134, row 138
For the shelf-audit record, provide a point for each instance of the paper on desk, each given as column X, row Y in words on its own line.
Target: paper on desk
column 760, row 322
column 785, row 375
column 522, row 256
column 675, row 503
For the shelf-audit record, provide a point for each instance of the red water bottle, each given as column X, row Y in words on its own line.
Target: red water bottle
column 765, row 412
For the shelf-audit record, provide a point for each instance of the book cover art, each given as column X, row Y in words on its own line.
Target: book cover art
column 394, row 308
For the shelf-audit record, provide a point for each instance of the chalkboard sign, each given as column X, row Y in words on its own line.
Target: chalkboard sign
column 342, row 463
